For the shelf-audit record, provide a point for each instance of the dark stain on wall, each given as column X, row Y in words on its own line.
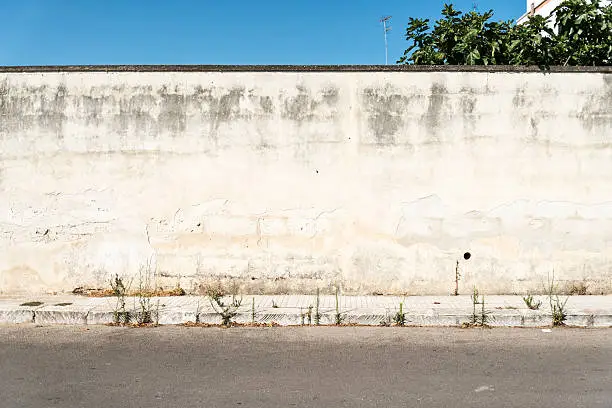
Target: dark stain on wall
column 200, row 95
column 92, row 108
column 217, row 110
column 300, row 107
column 522, row 102
column 436, row 110
column 6, row 108
column 596, row 113
column 468, row 106
column 227, row 106
column 17, row 110
column 468, row 103
column 385, row 109
column 263, row 104
column 306, row 107
column 266, row 104
column 173, row 115
column 330, row 95
column 136, row 111
column 131, row 110
column 32, row 106
column 4, row 98
column 134, row 115
column 521, row 99
column 263, row 109
column 533, row 128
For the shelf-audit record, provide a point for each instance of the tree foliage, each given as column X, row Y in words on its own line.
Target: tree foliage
column 578, row 32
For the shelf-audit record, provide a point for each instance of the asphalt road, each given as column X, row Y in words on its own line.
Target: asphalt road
column 303, row 367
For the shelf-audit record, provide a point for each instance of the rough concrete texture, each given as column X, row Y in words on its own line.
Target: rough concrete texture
column 281, row 182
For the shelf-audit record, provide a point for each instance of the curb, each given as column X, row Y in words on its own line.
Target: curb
column 365, row 318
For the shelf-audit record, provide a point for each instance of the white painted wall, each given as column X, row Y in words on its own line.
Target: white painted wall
column 284, row 182
column 544, row 8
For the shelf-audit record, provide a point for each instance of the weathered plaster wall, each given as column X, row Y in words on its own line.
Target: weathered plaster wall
column 285, row 181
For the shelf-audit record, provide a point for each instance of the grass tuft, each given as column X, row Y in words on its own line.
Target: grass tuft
column 531, row 303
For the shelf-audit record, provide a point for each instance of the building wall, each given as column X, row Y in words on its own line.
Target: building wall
column 544, row 8
column 288, row 181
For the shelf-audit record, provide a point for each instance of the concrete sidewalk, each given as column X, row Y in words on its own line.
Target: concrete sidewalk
column 582, row 311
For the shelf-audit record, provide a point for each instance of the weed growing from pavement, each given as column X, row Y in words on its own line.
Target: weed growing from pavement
column 558, row 310
column 144, row 315
column 252, row 310
column 531, row 303
column 197, row 313
column 400, row 316
column 557, row 306
column 157, row 313
column 227, row 311
column 119, row 291
column 398, row 319
column 317, row 316
column 474, row 298
column 338, row 317
column 480, row 317
column 306, row 315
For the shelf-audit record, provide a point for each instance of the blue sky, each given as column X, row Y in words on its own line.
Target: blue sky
column 45, row 32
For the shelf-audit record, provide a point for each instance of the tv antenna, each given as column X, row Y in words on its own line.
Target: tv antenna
column 385, row 21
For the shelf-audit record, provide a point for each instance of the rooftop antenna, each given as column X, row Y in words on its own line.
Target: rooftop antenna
column 385, row 21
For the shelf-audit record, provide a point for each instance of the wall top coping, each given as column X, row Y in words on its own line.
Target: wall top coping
column 301, row 68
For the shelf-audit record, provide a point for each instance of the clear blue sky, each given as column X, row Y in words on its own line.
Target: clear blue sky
column 45, row 32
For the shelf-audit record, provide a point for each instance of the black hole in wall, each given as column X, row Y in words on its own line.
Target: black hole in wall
column 467, row 256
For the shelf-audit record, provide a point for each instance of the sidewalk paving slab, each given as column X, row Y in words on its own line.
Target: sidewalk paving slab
column 508, row 311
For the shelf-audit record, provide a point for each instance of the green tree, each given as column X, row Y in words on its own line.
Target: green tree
column 584, row 33
column 579, row 32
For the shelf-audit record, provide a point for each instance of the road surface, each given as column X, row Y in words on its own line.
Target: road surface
column 304, row 367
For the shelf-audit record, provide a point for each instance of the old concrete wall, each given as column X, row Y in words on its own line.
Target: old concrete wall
column 288, row 181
